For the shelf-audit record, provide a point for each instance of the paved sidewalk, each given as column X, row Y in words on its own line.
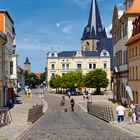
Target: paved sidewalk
column 19, row 117
column 133, row 129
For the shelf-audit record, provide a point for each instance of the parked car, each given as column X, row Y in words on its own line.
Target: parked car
column 71, row 90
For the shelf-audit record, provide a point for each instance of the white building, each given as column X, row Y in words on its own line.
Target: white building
column 121, row 32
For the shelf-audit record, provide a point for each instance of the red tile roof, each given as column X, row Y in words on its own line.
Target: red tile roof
column 38, row 75
column 134, row 9
column 133, row 39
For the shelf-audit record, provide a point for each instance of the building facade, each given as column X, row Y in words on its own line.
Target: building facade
column 134, row 61
column 9, row 55
column 3, row 41
column 63, row 62
column 121, row 32
column 96, row 51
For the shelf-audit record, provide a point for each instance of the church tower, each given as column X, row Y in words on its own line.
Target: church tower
column 27, row 66
column 94, row 31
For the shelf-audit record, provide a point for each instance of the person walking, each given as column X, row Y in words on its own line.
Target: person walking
column 72, row 104
column 120, row 112
column 69, row 94
column 132, row 112
column 62, row 103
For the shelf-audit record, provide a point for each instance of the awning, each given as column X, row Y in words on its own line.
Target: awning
column 129, row 91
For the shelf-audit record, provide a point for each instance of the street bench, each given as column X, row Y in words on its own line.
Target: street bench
column 35, row 113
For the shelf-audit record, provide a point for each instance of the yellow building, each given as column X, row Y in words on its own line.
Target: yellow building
column 96, row 51
column 66, row 61
column 134, row 61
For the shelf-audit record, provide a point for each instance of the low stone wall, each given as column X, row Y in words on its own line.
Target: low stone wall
column 101, row 111
column 34, row 113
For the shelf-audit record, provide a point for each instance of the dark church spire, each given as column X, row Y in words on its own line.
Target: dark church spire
column 94, row 29
column 27, row 61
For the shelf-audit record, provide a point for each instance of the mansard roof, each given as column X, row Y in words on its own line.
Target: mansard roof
column 27, row 61
column 94, row 29
column 106, row 44
column 73, row 53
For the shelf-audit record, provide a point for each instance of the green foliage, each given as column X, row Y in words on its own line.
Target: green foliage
column 43, row 77
column 55, row 81
column 32, row 79
column 96, row 79
column 70, row 79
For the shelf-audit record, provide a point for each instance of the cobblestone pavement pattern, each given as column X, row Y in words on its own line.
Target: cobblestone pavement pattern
column 78, row 125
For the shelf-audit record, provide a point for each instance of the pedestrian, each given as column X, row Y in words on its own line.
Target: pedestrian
column 120, row 112
column 26, row 90
column 69, row 94
column 72, row 104
column 132, row 112
column 62, row 103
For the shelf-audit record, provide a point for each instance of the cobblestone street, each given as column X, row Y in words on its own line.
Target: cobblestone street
column 78, row 125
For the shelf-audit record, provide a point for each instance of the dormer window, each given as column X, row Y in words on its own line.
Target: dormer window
column 104, row 53
column 52, row 54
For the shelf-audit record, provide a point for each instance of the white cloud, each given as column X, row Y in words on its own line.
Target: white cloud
column 108, row 29
column 58, row 24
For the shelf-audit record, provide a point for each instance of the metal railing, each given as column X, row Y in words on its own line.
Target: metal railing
column 34, row 113
column 5, row 116
column 101, row 111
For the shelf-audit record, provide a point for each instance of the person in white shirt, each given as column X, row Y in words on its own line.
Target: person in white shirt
column 120, row 112
column 132, row 109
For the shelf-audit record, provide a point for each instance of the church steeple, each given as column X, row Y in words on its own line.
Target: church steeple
column 94, row 29
column 27, row 66
column 27, row 61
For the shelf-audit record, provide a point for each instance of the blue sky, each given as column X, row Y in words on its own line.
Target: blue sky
column 45, row 24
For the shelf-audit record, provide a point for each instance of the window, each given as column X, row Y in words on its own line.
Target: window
column 132, row 52
column 129, row 53
column 104, row 53
column 94, row 66
column 136, row 52
column 53, row 74
column 90, row 66
column 67, row 66
column 63, row 74
column 11, row 67
column 79, row 66
column 104, row 65
column 52, row 54
column 63, row 66
column 136, row 73
column 53, row 66
column 130, row 73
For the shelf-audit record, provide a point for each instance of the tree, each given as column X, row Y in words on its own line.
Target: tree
column 96, row 79
column 55, row 82
column 43, row 77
